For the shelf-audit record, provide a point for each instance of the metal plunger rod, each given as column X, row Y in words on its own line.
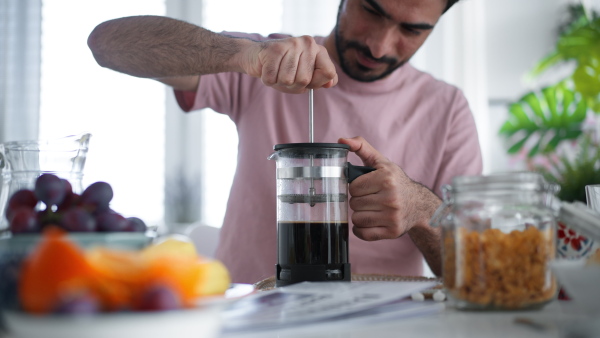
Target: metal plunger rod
column 310, row 116
column 311, row 191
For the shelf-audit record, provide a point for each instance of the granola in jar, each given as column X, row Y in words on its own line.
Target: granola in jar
column 498, row 239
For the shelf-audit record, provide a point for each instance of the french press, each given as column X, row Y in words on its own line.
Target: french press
column 312, row 210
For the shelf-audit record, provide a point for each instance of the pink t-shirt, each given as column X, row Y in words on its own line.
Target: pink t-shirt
column 422, row 124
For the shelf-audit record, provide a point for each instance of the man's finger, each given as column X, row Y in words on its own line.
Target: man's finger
column 324, row 72
column 305, row 70
column 373, row 234
column 369, row 155
column 270, row 70
column 365, row 200
column 288, row 69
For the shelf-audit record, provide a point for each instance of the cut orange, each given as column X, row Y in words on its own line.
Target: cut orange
column 53, row 268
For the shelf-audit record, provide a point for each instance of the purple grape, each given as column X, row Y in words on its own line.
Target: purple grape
column 78, row 220
column 108, row 221
column 70, row 201
column 159, row 298
column 24, row 220
column 50, row 189
column 68, row 187
column 67, row 200
column 21, row 198
column 80, row 303
column 135, row 224
column 97, row 197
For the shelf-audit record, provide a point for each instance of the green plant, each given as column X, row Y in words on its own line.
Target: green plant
column 572, row 175
column 550, row 116
column 578, row 42
column 542, row 120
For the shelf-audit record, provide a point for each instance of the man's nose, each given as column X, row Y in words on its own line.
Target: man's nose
column 383, row 42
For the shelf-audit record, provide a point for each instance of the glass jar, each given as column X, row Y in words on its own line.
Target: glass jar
column 22, row 162
column 498, row 239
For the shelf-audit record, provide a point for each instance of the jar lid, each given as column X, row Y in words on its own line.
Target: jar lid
column 581, row 218
column 521, row 181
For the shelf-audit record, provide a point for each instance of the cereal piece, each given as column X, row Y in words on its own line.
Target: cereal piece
column 439, row 296
column 494, row 269
column 417, row 297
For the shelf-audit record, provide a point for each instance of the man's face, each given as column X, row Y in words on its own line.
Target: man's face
column 375, row 37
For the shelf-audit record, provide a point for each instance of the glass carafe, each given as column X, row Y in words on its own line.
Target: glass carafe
column 312, row 211
column 22, row 162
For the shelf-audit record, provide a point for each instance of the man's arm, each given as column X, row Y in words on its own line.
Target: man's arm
column 388, row 204
column 176, row 52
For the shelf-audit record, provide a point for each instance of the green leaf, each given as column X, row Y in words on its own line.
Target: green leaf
column 535, row 149
column 535, row 104
column 594, row 103
column 547, row 62
column 581, row 43
column 546, row 118
column 551, row 145
column 587, row 77
column 550, row 96
column 517, row 146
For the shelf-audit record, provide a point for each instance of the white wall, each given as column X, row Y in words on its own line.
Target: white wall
column 518, row 34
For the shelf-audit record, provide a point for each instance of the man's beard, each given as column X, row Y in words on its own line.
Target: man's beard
column 357, row 71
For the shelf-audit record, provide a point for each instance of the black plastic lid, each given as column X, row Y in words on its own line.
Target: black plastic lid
column 316, row 150
column 310, row 145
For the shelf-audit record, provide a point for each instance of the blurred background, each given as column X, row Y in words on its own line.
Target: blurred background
column 533, row 100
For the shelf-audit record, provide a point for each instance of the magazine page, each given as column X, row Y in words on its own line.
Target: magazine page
column 317, row 301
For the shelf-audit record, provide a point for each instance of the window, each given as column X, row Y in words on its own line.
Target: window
column 217, row 128
column 267, row 16
column 124, row 114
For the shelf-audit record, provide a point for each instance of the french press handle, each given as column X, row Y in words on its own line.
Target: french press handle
column 354, row 171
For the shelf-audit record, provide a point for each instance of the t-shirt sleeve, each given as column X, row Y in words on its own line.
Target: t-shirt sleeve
column 185, row 99
column 462, row 156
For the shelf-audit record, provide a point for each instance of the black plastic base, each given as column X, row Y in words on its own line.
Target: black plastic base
column 312, row 273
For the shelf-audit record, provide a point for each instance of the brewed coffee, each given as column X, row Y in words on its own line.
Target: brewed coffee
column 312, row 243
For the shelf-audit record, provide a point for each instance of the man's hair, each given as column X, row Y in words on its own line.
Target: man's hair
column 449, row 4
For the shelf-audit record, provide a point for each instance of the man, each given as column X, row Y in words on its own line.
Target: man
column 423, row 126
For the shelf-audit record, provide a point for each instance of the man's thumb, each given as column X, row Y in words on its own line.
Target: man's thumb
column 369, row 155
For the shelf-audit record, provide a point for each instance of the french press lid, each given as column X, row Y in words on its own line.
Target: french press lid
column 312, row 172
column 305, row 150
column 348, row 172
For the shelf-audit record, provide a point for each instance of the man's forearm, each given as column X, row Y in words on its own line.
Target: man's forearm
column 426, row 237
column 157, row 47
column 428, row 240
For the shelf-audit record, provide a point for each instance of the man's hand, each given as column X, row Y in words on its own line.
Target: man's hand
column 386, row 202
column 290, row 65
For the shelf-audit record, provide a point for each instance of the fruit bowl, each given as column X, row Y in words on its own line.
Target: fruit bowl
column 203, row 321
column 23, row 243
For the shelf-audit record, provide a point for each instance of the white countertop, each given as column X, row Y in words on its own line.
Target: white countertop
column 558, row 319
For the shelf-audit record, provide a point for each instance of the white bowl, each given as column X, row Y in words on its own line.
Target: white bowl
column 581, row 283
column 205, row 320
column 200, row 322
column 24, row 243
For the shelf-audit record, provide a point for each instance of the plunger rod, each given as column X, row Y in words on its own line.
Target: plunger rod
column 311, row 191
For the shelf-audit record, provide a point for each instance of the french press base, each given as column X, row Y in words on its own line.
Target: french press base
column 311, row 273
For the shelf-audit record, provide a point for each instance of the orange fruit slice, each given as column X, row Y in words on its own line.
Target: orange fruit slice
column 55, row 267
